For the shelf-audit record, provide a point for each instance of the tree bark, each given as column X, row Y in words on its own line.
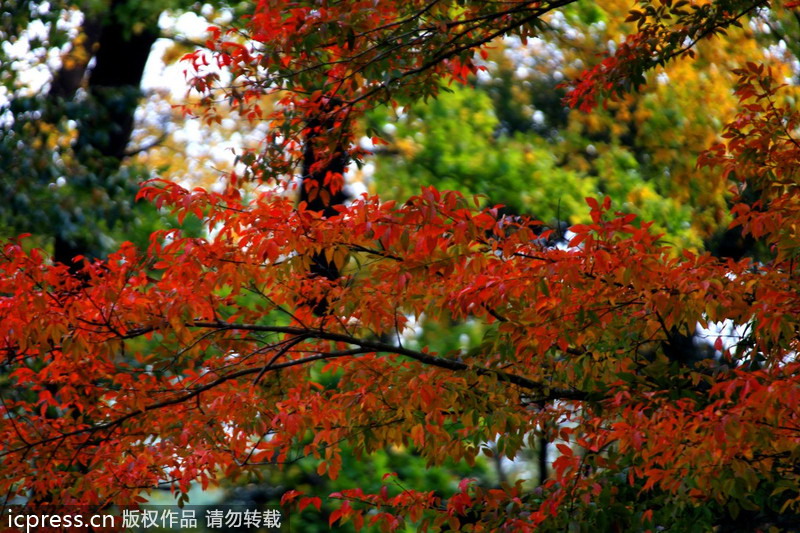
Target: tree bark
column 542, row 459
column 113, row 85
column 319, row 196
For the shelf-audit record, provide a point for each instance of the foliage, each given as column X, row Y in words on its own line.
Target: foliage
column 62, row 183
column 451, row 143
column 640, row 150
column 203, row 358
column 67, row 107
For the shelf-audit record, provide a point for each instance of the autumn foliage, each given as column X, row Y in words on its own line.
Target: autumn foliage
column 202, row 358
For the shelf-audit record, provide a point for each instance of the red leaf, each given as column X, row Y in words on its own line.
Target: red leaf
column 313, row 500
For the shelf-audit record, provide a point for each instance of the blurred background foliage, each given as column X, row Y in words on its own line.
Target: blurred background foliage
column 81, row 126
column 511, row 138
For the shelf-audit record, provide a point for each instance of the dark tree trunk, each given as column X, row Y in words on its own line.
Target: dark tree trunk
column 319, row 197
column 113, row 85
column 69, row 79
column 542, row 459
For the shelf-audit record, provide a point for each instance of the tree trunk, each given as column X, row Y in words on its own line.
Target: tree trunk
column 319, row 196
column 114, row 94
column 542, row 459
